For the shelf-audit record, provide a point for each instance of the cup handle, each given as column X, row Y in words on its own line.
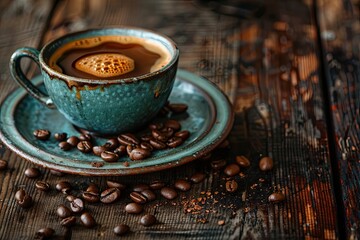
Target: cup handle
column 19, row 76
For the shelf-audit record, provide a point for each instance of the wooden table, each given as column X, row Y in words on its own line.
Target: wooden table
column 296, row 99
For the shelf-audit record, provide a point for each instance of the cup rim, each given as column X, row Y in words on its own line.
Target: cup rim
column 53, row 73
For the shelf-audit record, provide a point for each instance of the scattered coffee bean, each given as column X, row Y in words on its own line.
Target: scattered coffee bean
column 32, row 172
column 182, row 185
column 121, row 229
column 173, row 124
column 63, row 186
column 73, row 141
column 60, row 136
column 3, row 164
column 128, row 139
column 87, row 220
column 93, row 188
column 84, row 146
column 266, row 164
column 174, row 142
column 231, row 186
column 110, row 195
column 168, row 193
column 177, row 107
column 120, row 151
column 42, row 186
column 42, row 134
column 140, row 187
column 149, row 194
column 77, row 205
column 108, row 156
column 129, row 149
column 218, row 164
column 68, row 221
column 111, row 144
column 232, row 169
column 114, row 184
column 97, row 150
column 19, row 195
column 198, row 177
column 63, row 211
column 23, row 199
column 148, row 220
column 57, row 173
column 65, row 146
column 276, row 197
column 133, row 208
column 168, row 132
column 146, row 146
column 139, row 154
column 45, row 233
column 157, row 184
column 184, row 134
column 157, row 144
column 159, row 136
column 91, row 197
column 138, row 197
column 85, row 137
column 242, row 161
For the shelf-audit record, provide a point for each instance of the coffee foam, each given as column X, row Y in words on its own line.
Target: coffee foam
column 150, row 45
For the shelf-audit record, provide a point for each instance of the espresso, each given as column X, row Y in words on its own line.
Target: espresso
column 109, row 57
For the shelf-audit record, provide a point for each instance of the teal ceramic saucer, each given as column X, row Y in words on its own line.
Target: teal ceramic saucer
column 209, row 119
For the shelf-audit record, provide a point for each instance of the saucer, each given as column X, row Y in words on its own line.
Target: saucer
column 209, row 119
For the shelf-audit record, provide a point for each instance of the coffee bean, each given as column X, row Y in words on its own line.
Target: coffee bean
column 242, row 161
column 111, row 144
column 157, row 184
column 93, row 188
column 32, row 172
column 182, row 185
column 57, row 173
column 138, row 197
column 146, row 138
column 177, row 107
column 68, row 221
column 73, row 141
column 146, row 146
column 85, row 137
column 44, row 233
column 140, row 187
column 184, row 134
column 121, row 229
column 60, row 136
column 3, row 164
column 157, row 144
column 139, row 154
column 174, row 142
column 168, row 193
column 150, row 195
column 91, row 197
column 70, row 198
column 128, row 139
column 110, row 195
column 159, row 136
column 23, row 199
column 87, row 220
column 129, row 149
column 276, row 197
column 63, row 186
column 156, row 126
column 121, row 150
column 42, row 134
column 197, row 177
column 108, row 156
column 168, row 132
column 84, row 146
column 19, row 195
column 113, row 184
column 42, row 186
column 232, row 169
column 173, row 124
column 77, row 205
column 133, row 208
column 63, row 211
column 218, row 164
column 148, row 220
column 65, row 146
column 266, row 164
column 231, row 186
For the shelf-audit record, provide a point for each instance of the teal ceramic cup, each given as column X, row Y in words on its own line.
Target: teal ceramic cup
column 105, row 107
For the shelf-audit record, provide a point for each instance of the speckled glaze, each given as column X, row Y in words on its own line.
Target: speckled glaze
column 209, row 118
column 105, row 107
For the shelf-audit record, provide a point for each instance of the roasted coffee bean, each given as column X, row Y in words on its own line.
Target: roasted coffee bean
column 140, row 187
column 128, row 139
column 182, row 185
column 44, row 233
column 149, row 194
column 108, row 156
column 114, row 184
column 63, row 186
column 266, row 164
column 87, row 220
column 174, row 142
column 65, row 146
column 57, row 173
column 156, row 126
column 168, row 193
column 177, row 107
column 121, row 229
column 146, row 146
column 138, row 197
column 97, row 150
column 173, row 124
column 84, row 146
column 93, row 188
column 63, row 211
column 139, row 154
column 70, row 198
column 218, row 164
column 68, row 221
column 157, row 144
column 77, row 205
column 276, row 197
column 148, row 220
column 111, row 144
column 232, row 169
column 91, row 197
column 60, row 136
column 73, row 141
column 231, row 186
column 197, row 177
column 42, row 186
column 242, row 161
column 157, row 184
column 20, row 194
column 3, row 164
column 85, row 137
column 23, row 199
column 133, row 208
column 32, row 172
column 184, row 134
column 110, row 195
column 42, row 134
column 159, row 136
column 168, row 132
column 129, row 149
column 146, row 138
column 121, row 150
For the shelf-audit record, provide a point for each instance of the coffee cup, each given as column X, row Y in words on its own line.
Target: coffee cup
column 105, row 81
